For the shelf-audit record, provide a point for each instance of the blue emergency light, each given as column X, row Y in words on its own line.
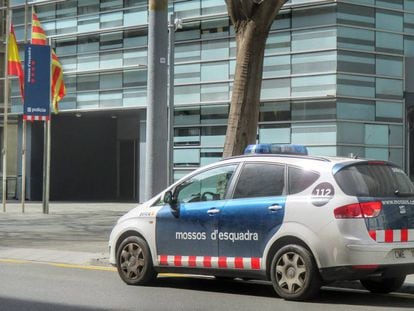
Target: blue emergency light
column 276, row 149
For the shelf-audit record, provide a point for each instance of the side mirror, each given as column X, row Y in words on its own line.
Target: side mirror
column 170, row 200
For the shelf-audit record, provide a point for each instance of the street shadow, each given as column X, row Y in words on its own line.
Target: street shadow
column 14, row 304
column 350, row 296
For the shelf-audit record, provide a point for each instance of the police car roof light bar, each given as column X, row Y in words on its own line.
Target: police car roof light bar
column 276, row 149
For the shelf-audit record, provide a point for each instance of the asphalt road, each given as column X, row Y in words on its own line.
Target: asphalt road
column 43, row 287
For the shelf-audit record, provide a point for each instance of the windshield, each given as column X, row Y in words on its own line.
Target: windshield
column 374, row 180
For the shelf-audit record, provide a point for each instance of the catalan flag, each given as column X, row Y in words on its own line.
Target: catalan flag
column 14, row 65
column 58, row 85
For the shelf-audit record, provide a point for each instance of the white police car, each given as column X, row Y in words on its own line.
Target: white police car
column 297, row 220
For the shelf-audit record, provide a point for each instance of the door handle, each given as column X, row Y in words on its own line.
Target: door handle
column 275, row 207
column 213, row 211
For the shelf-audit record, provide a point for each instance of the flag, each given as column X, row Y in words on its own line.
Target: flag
column 14, row 65
column 58, row 85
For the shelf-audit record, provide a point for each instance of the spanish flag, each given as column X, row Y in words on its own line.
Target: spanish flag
column 58, row 85
column 14, row 65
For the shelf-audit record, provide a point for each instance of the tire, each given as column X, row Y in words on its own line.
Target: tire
column 383, row 285
column 134, row 262
column 294, row 273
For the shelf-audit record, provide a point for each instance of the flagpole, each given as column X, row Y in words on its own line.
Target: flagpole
column 46, row 154
column 6, row 109
column 24, row 129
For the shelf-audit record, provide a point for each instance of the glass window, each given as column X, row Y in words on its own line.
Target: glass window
column 389, row 42
column 111, row 60
column 351, row 133
column 110, row 99
column 112, row 19
column 409, row 5
column 88, row 44
column 322, row 85
column 189, row 136
column 313, row 39
column 215, row 92
column 275, row 88
column 283, row 21
column 186, row 116
column 212, row 6
column 353, row 109
column 373, row 180
column 215, row 28
column 396, row 135
column 250, row 183
column 278, row 111
column 210, row 155
column 187, row 52
column 66, row 46
column 389, row 111
column 409, row 23
column 213, row 136
column 356, row 39
column 88, row 23
column 88, row 62
column 388, row 20
column 87, row 82
column 275, row 66
column 314, row 62
column 356, row 86
column 187, row 73
column 206, row 186
column 313, row 17
column 66, row 8
column 394, row 4
column 65, row 26
column 216, row 114
column 388, row 88
column 187, row 94
column 187, row 8
column 310, row 110
column 215, row 49
column 276, row 43
column 274, row 134
column 376, row 134
column 314, row 133
column 111, row 41
column 354, row 62
column 214, row 71
column 88, row 6
column 110, row 81
column 187, row 157
column 389, row 66
column 299, row 179
column 356, row 15
column 88, row 100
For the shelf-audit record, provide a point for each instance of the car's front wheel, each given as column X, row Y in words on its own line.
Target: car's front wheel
column 383, row 285
column 134, row 262
column 294, row 273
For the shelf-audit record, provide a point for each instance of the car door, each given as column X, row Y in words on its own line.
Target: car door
column 184, row 236
column 254, row 213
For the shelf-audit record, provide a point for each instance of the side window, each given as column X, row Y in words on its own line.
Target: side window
column 206, row 186
column 260, row 180
column 300, row 179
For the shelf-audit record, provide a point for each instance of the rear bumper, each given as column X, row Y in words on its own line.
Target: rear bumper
column 360, row 272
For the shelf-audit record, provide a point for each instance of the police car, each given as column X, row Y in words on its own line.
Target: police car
column 300, row 221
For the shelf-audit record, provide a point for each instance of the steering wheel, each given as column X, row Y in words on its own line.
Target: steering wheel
column 205, row 194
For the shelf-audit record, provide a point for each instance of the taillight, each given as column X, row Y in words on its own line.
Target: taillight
column 359, row 210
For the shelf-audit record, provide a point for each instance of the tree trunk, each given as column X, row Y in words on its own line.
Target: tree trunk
column 251, row 20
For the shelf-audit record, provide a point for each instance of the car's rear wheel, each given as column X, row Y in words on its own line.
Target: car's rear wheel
column 294, row 273
column 383, row 285
column 134, row 262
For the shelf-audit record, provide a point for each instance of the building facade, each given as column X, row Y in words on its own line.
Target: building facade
column 336, row 79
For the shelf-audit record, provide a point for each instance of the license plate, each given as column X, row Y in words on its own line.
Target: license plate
column 404, row 253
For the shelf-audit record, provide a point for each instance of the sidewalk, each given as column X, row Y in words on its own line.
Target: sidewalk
column 72, row 233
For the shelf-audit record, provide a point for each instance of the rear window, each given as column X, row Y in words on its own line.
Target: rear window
column 374, row 180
